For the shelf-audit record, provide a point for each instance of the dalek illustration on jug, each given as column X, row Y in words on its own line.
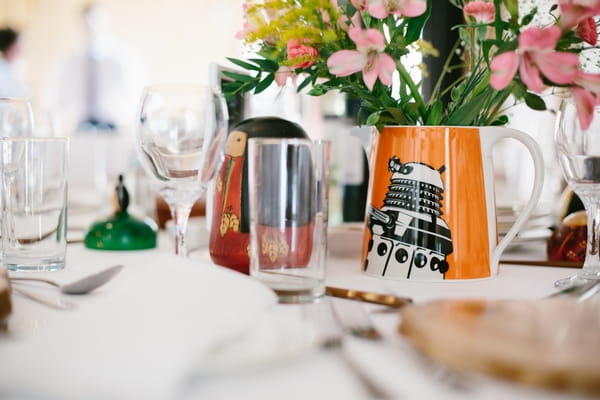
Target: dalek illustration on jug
column 409, row 237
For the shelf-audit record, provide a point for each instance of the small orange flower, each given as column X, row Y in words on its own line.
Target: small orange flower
column 296, row 49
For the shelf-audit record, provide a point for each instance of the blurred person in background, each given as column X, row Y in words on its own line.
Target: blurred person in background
column 99, row 85
column 11, row 84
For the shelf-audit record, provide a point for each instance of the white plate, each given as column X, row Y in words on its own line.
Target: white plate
column 134, row 338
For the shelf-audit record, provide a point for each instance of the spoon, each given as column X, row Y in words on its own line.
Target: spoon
column 81, row 286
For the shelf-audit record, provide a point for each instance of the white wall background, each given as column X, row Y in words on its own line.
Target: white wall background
column 175, row 39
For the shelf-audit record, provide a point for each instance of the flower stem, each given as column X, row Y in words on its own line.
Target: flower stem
column 414, row 90
column 449, row 87
column 491, row 116
column 438, row 84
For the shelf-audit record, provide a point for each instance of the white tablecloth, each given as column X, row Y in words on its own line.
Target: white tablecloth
column 272, row 357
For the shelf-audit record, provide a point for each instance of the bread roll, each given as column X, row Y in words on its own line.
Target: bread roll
column 551, row 342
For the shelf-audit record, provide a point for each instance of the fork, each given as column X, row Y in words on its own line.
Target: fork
column 331, row 334
column 356, row 321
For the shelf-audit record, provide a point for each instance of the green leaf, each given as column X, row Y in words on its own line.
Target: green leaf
column 248, row 86
column 243, row 64
column 526, row 20
column 484, row 83
column 231, row 87
column 366, row 19
column 486, row 45
column 500, row 121
column 457, row 91
column 266, row 65
column 412, row 110
column 398, row 116
column 465, row 37
column 373, row 118
column 535, row 102
column 264, row 84
column 512, row 6
column 238, row 77
column 305, row 83
column 465, row 115
column 317, row 90
column 415, row 25
column 435, row 114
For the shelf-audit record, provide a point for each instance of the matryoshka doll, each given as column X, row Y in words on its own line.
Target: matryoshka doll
column 230, row 222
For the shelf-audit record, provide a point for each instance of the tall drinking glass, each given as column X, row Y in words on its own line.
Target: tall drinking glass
column 16, row 117
column 579, row 155
column 33, row 176
column 288, row 193
column 180, row 137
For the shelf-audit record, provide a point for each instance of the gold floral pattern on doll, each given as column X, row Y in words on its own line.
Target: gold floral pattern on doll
column 274, row 247
column 229, row 221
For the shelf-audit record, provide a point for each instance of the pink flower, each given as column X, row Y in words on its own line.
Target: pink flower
column 535, row 57
column 480, row 10
column 360, row 5
column 584, row 104
column 369, row 57
column 504, row 67
column 589, row 81
column 283, row 74
column 253, row 21
column 574, row 11
column 346, row 23
column 586, row 30
column 247, row 27
column 586, row 96
column 306, row 55
column 383, row 8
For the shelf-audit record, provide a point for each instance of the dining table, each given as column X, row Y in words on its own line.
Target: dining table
column 169, row 327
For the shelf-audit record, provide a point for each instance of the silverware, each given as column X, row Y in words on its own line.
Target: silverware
column 54, row 302
column 582, row 292
column 369, row 297
column 356, row 321
column 543, row 263
column 322, row 316
column 80, row 286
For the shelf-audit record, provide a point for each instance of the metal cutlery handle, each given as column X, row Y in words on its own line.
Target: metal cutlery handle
column 332, row 339
column 54, row 302
column 581, row 292
column 369, row 297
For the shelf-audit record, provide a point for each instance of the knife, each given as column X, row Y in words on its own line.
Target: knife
column 369, row 297
column 581, row 292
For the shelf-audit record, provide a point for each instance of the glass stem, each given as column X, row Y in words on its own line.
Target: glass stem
column 180, row 216
column 592, row 259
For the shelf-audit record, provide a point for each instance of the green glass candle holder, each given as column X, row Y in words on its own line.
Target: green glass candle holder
column 121, row 231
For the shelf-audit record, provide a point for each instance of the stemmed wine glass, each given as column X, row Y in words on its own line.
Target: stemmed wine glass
column 579, row 155
column 181, row 131
column 16, row 117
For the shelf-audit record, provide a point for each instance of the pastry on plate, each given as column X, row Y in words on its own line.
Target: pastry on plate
column 551, row 342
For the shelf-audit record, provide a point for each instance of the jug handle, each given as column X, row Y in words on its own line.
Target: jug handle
column 538, row 180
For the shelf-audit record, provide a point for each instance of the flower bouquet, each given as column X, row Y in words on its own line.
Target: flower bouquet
column 362, row 48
